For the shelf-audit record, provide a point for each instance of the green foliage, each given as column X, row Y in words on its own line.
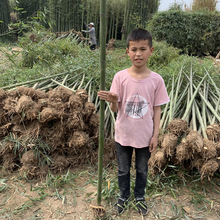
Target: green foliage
column 4, row 15
column 196, row 33
column 199, row 65
column 120, row 44
column 30, row 7
column 163, row 54
column 204, row 4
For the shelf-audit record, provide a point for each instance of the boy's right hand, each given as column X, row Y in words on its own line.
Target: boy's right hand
column 108, row 96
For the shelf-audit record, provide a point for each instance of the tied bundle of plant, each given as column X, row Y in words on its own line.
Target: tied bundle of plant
column 209, row 150
column 209, row 168
column 169, row 144
column 178, row 126
column 213, row 132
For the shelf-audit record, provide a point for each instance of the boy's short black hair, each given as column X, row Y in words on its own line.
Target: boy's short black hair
column 139, row 34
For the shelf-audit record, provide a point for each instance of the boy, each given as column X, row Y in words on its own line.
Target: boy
column 137, row 94
column 92, row 38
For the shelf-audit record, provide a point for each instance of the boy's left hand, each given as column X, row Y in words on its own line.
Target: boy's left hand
column 153, row 144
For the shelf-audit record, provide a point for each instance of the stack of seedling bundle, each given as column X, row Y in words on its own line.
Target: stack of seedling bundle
column 190, row 130
column 47, row 130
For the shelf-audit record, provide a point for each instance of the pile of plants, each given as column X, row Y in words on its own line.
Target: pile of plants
column 190, row 123
column 54, row 130
column 179, row 145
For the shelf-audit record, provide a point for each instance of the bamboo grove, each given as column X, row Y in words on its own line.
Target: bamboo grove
column 122, row 15
column 4, row 15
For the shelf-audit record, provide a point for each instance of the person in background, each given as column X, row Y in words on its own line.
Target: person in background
column 137, row 94
column 92, row 38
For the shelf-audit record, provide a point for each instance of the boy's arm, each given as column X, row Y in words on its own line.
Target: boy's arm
column 109, row 97
column 114, row 106
column 156, row 119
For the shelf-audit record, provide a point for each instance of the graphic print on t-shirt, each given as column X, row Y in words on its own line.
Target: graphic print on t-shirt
column 136, row 106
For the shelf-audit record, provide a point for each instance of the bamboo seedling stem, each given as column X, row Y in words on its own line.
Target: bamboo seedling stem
column 202, row 126
column 35, row 80
column 177, row 90
column 209, row 106
column 60, row 84
column 193, row 97
column 171, row 102
column 204, row 105
column 193, row 104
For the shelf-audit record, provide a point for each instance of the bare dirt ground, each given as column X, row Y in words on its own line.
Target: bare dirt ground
column 35, row 199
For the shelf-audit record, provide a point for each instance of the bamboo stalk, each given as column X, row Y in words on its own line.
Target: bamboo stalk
column 102, row 87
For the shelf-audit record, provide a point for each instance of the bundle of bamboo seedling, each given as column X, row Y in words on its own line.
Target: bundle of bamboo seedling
column 190, row 130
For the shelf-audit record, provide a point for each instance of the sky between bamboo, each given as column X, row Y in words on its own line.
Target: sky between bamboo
column 165, row 4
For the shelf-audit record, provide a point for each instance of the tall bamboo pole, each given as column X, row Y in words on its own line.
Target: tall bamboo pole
column 102, row 87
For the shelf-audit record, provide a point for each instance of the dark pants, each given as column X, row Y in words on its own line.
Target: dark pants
column 124, row 157
column 92, row 46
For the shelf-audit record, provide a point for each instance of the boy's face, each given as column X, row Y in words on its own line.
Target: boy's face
column 139, row 52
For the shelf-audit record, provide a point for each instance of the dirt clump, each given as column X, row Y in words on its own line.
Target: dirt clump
column 209, row 149
column 209, row 168
column 194, row 142
column 218, row 149
column 157, row 160
column 182, row 152
column 178, row 127
column 59, row 163
column 30, row 166
column 197, row 162
column 111, row 44
column 213, row 132
column 169, row 143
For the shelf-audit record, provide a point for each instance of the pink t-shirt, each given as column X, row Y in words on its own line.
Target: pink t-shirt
column 134, row 123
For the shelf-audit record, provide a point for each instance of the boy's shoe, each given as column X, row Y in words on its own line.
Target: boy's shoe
column 141, row 206
column 119, row 206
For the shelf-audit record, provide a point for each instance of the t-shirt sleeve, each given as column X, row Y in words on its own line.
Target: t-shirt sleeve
column 115, row 87
column 161, row 97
